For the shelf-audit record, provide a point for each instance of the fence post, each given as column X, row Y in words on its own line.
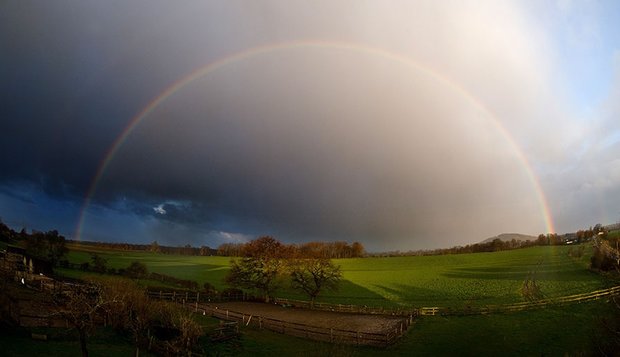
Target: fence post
column 260, row 322
column 331, row 335
column 197, row 296
column 159, row 294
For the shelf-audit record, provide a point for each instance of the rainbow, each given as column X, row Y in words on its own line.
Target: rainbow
column 284, row 46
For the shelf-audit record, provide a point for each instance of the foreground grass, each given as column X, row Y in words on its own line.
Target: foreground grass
column 63, row 342
column 555, row 331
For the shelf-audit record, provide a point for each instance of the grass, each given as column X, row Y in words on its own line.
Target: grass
column 556, row 331
column 472, row 279
column 199, row 269
column 451, row 280
column 62, row 342
column 447, row 280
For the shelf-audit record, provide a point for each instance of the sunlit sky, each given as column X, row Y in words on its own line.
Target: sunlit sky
column 402, row 125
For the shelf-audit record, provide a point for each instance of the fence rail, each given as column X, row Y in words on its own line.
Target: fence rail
column 356, row 309
column 528, row 305
column 382, row 339
column 195, row 297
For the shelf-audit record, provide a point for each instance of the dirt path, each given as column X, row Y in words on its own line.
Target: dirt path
column 326, row 319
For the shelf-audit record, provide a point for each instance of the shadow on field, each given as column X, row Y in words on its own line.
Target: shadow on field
column 553, row 272
column 488, row 273
column 411, row 295
column 351, row 293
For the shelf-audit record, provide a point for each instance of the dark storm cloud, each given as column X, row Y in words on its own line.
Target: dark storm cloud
column 73, row 74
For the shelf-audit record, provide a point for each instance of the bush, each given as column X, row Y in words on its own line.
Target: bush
column 136, row 270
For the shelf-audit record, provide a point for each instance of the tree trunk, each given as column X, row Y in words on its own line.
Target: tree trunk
column 83, row 343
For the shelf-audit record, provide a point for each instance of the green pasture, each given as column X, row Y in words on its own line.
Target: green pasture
column 465, row 279
column 576, row 330
column 445, row 280
column 450, row 280
column 200, row 269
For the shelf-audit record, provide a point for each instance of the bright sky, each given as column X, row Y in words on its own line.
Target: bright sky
column 402, row 125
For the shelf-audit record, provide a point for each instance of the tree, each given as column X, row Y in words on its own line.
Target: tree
column 357, row 250
column 530, row 289
column 604, row 257
column 80, row 307
column 136, row 270
column 259, row 268
column 48, row 246
column 99, row 263
column 128, row 309
column 154, row 247
column 189, row 332
column 314, row 275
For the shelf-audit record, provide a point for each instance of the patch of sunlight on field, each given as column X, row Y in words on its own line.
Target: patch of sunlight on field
column 470, row 279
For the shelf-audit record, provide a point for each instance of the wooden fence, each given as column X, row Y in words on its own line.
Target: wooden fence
column 356, row 309
column 184, row 296
column 521, row 306
column 196, row 297
column 382, row 339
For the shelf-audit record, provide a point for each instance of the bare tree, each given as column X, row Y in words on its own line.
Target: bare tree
column 128, row 309
column 314, row 275
column 81, row 307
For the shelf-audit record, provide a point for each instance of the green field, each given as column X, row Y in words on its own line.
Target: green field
column 447, row 280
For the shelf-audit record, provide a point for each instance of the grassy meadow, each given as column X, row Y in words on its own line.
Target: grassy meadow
column 449, row 280
column 446, row 280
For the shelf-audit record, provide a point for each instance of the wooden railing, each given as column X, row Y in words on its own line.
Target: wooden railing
column 382, row 339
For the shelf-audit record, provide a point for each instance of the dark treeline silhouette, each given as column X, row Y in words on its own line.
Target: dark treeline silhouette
column 48, row 246
column 152, row 247
column 327, row 250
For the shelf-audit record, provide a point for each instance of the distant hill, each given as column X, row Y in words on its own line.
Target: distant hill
column 507, row 237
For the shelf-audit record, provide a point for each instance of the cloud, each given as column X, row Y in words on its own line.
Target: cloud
column 304, row 143
column 159, row 209
column 375, row 151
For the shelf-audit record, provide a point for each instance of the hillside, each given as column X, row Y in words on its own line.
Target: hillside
column 507, row 237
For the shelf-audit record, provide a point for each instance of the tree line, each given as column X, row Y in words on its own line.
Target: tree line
column 495, row 245
column 46, row 246
column 154, row 247
column 326, row 250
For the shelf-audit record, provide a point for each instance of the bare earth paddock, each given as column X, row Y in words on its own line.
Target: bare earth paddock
column 325, row 319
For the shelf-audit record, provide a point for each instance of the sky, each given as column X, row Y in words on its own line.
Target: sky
column 400, row 124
